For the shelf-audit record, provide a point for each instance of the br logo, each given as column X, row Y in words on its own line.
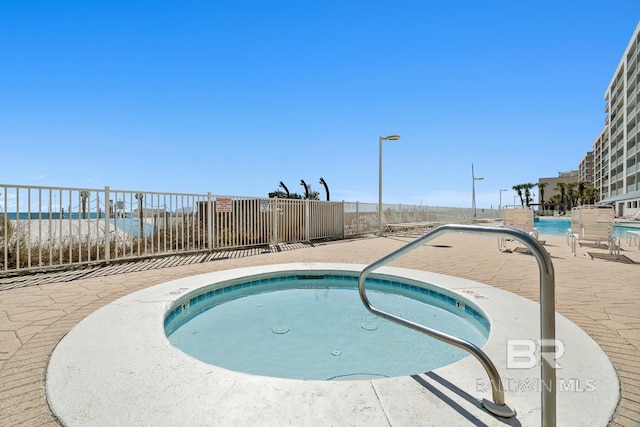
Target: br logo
column 526, row 354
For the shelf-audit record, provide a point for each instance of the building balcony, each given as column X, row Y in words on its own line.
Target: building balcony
column 631, row 61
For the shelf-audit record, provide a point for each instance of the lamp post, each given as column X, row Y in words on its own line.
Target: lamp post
column 500, row 205
column 473, row 191
column 380, row 139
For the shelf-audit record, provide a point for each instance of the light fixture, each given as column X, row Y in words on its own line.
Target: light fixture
column 380, row 139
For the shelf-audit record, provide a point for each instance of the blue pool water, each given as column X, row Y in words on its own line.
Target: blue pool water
column 318, row 329
column 559, row 226
column 552, row 227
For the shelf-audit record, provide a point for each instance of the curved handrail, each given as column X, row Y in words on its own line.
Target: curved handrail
column 547, row 315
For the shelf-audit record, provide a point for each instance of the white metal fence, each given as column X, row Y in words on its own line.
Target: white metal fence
column 47, row 227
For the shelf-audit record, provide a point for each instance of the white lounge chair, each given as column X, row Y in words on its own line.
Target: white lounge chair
column 519, row 219
column 632, row 238
column 593, row 224
column 575, row 225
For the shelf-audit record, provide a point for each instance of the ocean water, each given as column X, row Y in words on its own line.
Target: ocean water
column 51, row 215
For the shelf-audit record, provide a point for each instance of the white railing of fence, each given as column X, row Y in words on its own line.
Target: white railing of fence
column 45, row 227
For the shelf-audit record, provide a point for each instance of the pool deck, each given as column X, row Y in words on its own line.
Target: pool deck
column 600, row 295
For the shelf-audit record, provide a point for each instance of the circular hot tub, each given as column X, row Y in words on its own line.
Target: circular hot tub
column 118, row 367
column 315, row 327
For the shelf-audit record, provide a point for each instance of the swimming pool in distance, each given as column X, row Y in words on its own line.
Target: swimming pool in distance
column 558, row 227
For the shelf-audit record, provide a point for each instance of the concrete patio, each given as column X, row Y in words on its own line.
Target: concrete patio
column 601, row 295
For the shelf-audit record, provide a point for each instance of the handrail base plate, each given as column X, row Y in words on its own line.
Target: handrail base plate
column 499, row 410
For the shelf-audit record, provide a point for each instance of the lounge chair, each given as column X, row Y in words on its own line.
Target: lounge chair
column 630, row 217
column 632, row 238
column 520, row 219
column 593, row 224
column 575, row 225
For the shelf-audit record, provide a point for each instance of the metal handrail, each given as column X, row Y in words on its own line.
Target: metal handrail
column 547, row 316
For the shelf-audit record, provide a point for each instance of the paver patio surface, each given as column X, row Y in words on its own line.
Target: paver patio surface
column 601, row 296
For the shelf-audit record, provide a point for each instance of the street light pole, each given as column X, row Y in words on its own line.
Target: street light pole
column 500, row 205
column 380, row 139
column 473, row 191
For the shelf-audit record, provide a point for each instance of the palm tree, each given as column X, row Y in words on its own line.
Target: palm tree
column 284, row 194
column 541, row 186
column 590, row 195
column 561, row 187
column 527, row 192
column 285, row 188
column 518, row 188
column 581, row 187
column 571, row 194
column 306, row 188
column 326, row 187
column 556, row 201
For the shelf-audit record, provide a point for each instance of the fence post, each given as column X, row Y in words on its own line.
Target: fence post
column 357, row 218
column 342, row 216
column 274, row 235
column 139, row 197
column 107, row 225
column 209, row 221
column 307, row 217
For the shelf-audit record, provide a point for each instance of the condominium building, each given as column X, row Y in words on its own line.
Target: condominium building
column 616, row 152
column 551, row 188
column 585, row 169
column 601, row 165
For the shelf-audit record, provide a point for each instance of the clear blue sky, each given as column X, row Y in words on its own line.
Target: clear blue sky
column 232, row 97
